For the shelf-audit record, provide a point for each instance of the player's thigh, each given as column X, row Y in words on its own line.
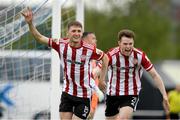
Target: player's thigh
column 115, row 117
column 66, row 115
column 76, row 117
column 128, row 105
column 125, row 112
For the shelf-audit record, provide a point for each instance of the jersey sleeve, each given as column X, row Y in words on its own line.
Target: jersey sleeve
column 97, row 54
column 53, row 43
column 146, row 63
column 110, row 58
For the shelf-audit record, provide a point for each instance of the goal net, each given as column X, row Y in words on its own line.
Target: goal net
column 25, row 65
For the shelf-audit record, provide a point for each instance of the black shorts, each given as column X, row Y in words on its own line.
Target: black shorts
column 78, row 106
column 113, row 103
column 174, row 116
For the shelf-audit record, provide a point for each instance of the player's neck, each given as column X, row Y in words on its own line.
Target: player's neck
column 75, row 44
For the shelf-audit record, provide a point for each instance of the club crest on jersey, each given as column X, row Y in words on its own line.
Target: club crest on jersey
column 83, row 57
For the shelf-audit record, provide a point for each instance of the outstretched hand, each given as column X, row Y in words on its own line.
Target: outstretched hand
column 28, row 15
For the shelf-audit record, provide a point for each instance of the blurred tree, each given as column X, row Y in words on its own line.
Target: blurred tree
column 153, row 30
column 151, row 20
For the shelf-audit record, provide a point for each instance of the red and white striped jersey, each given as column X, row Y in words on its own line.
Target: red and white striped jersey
column 76, row 64
column 124, row 72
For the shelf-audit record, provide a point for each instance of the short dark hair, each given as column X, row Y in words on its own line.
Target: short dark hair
column 85, row 34
column 126, row 33
column 74, row 23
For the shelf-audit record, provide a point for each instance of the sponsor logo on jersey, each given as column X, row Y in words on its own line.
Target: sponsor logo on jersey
column 75, row 62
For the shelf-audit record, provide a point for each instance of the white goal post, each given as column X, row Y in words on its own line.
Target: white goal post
column 55, row 63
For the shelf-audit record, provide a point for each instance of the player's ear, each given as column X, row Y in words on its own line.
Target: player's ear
column 119, row 42
column 67, row 34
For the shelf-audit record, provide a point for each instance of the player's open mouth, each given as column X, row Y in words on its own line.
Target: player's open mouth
column 127, row 50
column 76, row 37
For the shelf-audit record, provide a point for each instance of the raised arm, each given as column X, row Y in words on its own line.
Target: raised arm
column 102, row 84
column 159, row 83
column 28, row 15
